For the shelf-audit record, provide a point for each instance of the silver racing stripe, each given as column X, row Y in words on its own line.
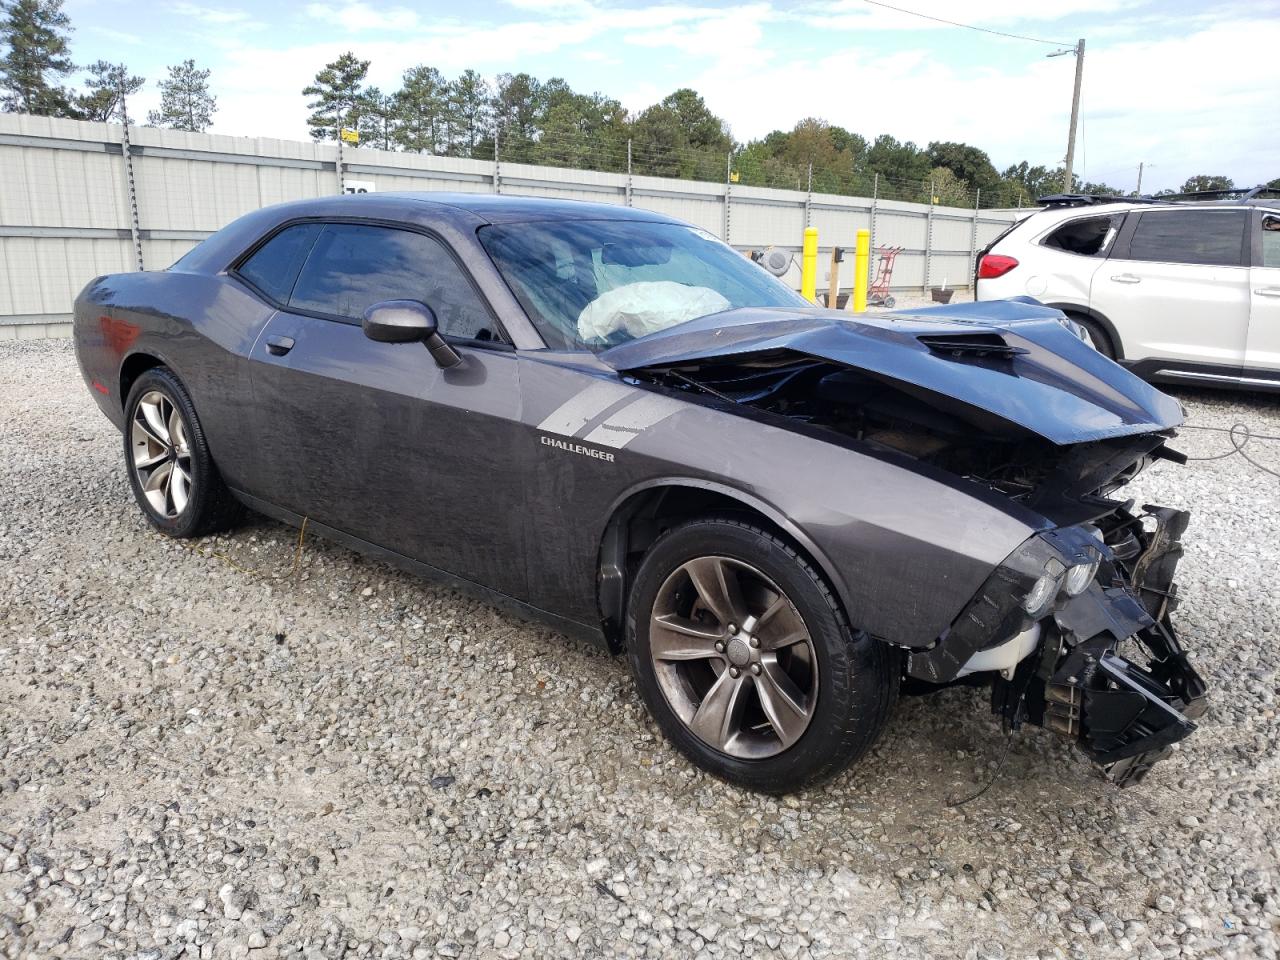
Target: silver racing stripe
column 580, row 409
column 632, row 420
column 626, row 412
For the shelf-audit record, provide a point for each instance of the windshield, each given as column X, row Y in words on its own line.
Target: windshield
column 592, row 284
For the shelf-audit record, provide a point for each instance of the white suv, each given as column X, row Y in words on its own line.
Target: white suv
column 1178, row 291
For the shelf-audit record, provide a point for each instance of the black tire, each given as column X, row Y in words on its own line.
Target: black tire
column 209, row 506
column 1101, row 339
column 857, row 676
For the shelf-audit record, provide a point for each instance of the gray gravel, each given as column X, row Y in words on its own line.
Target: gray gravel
column 201, row 759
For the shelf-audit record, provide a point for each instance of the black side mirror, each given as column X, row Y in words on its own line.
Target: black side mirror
column 408, row 321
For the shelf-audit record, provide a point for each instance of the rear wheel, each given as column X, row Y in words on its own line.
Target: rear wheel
column 745, row 660
column 171, row 471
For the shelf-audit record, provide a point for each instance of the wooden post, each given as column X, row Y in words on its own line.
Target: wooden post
column 833, row 286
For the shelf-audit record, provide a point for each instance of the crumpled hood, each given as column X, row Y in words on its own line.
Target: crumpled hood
column 1037, row 374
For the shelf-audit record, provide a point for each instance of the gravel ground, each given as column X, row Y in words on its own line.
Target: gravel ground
column 202, row 755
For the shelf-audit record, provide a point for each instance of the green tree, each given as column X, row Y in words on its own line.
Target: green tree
column 948, row 189
column 185, row 100
column 517, row 111
column 34, row 33
column 1203, row 181
column 337, row 97
column 470, row 112
column 680, row 136
column 378, row 119
column 581, row 130
column 422, row 110
column 969, row 164
column 902, row 162
column 107, row 87
column 1025, row 183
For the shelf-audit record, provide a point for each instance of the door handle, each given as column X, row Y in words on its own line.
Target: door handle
column 1268, row 291
column 279, row 346
column 1126, row 278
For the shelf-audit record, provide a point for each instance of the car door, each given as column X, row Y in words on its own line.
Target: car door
column 1176, row 288
column 1262, row 359
column 374, row 439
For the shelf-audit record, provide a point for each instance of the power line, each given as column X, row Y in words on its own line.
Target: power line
column 966, row 26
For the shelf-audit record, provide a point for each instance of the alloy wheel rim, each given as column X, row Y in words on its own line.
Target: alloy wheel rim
column 161, row 454
column 733, row 657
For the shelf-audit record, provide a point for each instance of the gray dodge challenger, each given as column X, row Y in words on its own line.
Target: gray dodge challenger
column 607, row 419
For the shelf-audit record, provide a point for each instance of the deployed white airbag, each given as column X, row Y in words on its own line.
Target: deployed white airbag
column 647, row 307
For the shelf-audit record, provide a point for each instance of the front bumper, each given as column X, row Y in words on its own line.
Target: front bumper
column 1108, row 671
column 1089, row 684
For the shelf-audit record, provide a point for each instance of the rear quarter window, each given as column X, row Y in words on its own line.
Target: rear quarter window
column 273, row 267
column 1085, row 237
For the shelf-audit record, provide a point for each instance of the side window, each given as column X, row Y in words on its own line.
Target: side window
column 1271, row 240
column 1210, row 237
column 353, row 266
column 1088, row 237
column 274, row 266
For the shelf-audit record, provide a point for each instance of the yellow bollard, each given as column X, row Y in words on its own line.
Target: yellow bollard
column 809, row 266
column 861, row 270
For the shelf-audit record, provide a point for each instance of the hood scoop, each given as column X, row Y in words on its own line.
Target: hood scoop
column 976, row 345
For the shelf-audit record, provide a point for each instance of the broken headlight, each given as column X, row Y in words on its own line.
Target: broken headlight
column 1042, row 594
column 1024, row 589
column 1079, row 577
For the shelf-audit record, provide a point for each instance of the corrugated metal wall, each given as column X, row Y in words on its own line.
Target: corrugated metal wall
column 65, row 218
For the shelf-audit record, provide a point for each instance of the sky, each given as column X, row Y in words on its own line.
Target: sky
column 1184, row 87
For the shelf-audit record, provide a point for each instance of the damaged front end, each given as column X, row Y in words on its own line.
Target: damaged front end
column 1104, row 668
column 1002, row 399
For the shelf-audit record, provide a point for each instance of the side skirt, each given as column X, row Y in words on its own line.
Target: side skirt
column 477, row 591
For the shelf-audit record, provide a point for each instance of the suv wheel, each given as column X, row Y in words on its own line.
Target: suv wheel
column 1101, row 339
column 744, row 658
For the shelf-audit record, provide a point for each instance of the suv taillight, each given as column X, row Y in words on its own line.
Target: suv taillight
column 994, row 265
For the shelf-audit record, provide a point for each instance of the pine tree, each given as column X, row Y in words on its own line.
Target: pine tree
column 35, row 35
column 379, row 120
column 421, row 109
column 338, row 91
column 470, row 112
column 185, row 100
column 108, row 85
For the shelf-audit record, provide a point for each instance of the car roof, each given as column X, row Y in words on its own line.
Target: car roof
column 423, row 206
column 462, row 213
column 507, row 208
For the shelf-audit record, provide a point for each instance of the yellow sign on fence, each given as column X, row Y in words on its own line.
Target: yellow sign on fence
column 350, row 136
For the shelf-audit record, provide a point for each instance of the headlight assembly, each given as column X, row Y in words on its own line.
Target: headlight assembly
column 1079, row 577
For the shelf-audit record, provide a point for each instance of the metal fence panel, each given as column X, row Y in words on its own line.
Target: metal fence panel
column 64, row 205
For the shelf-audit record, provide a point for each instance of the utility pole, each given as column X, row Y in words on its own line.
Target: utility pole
column 1078, row 50
column 1138, row 190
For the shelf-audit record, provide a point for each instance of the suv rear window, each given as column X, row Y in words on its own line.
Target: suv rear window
column 1087, row 237
column 1209, row 237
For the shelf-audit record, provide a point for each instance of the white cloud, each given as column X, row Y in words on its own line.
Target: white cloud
column 357, row 17
column 214, row 15
column 1191, row 104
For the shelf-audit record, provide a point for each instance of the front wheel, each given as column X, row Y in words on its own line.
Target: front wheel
column 743, row 656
